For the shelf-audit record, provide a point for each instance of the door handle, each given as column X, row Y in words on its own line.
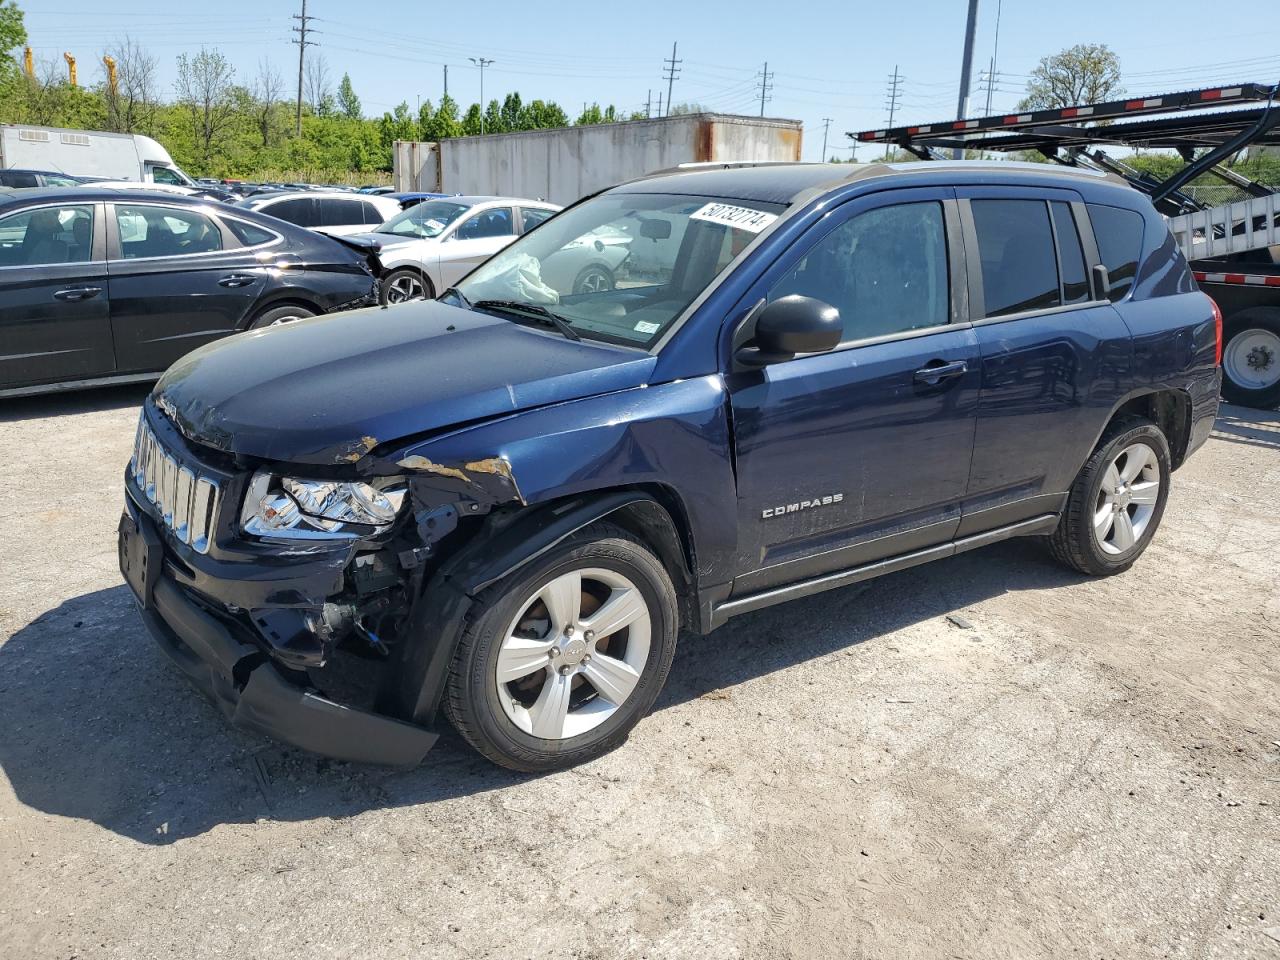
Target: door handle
column 237, row 280
column 75, row 294
column 935, row 371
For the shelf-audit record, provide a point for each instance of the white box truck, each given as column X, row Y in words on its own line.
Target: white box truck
column 88, row 153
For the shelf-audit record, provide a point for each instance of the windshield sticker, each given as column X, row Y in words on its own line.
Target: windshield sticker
column 647, row 326
column 434, row 224
column 741, row 218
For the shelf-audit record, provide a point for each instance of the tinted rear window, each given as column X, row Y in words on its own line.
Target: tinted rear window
column 1119, row 236
column 300, row 211
column 1019, row 265
column 1075, row 282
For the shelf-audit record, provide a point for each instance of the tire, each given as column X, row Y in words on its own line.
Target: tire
column 1251, row 358
column 400, row 286
column 514, row 723
column 594, row 278
column 1128, row 443
column 278, row 315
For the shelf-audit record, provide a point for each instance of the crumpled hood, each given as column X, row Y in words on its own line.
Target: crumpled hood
column 386, row 240
column 329, row 389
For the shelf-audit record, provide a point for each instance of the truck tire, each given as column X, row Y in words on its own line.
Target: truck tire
column 1116, row 502
column 1251, row 358
column 562, row 658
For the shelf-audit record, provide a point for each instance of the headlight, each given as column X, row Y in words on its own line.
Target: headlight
column 286, row 508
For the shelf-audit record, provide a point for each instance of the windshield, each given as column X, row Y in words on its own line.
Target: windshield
column 424, row 220
column 622, row 267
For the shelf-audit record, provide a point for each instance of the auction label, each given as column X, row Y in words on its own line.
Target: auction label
column 741, row 218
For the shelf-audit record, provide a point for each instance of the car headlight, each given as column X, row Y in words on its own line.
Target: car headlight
column 287, row 508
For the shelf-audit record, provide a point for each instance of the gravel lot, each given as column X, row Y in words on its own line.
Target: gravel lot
column 1064, row 768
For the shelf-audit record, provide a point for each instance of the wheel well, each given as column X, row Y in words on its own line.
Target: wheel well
column 284, row 302
column 431, row 287
column 660, row 523
column 1170, row 410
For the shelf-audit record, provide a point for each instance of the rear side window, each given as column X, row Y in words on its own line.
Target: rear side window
column 371, row 213
column 154, row 231
column 10, row 179
column 1019, row 266
column 340, row 213
column 530, row 217
column 1119, row 236
column 885, row 270
column 299, row 211
column 248, row 234
column 1075, row 282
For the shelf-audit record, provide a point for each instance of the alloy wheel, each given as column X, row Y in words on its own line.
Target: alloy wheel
column 574, row 653
column 405, row 287
column 1126, row 499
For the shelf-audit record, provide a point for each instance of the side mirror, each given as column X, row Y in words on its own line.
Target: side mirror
column 789, row 326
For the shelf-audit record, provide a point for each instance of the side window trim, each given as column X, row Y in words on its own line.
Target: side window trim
column 977, row 298
column 960, row 300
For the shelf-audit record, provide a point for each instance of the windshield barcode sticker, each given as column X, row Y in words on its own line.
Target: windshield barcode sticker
column 647, row 326
column 740, row 218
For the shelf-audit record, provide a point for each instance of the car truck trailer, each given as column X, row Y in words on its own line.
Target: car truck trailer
column 1233, row 248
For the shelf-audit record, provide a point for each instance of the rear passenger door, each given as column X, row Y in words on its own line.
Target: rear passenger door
column 54, row 322
column 1055, row 354
column 178, row 279
column 851, row 456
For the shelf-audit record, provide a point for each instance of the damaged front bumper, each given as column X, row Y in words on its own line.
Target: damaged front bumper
column 230, row 664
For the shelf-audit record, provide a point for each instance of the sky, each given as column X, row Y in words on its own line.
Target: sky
column 825, row 59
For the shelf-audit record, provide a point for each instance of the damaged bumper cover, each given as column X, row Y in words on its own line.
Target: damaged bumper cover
column 233, row 670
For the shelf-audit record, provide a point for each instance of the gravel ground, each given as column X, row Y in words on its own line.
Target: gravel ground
column 983, row 757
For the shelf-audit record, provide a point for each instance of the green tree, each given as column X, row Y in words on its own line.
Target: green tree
column 425, row 113
column 494, row 122
column 13, row 34
column 590, row 115
column 348, row 102
column 204, row 88
column 512, row 112
column 444, row 122
column 471, row 121
column 1085, row 73
column 398, row 125
column 541, row 115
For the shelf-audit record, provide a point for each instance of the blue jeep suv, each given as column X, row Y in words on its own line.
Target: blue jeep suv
column 504, row 504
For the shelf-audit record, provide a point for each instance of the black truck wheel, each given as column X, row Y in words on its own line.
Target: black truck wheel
column 1117, row 500
column 566, row 655
column 1251, row 358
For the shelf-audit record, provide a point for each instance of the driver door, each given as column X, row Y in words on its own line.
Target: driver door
column 862, row 453
column 473, row 241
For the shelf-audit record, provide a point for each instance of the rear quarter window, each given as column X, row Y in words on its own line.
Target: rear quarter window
column 248, row 234
column 1119, row 236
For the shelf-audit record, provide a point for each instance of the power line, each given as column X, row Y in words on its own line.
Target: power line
column 670, row 72
column 301, row 40
column 766, row 88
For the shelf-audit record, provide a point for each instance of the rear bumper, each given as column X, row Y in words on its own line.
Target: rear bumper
column 253, row 692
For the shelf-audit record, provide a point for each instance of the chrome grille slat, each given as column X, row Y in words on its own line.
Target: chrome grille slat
column 185, row 499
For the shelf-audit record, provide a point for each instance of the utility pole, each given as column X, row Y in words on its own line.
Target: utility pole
column 659, row 104
column 966, row 69
column 765, row 86
column 481, row 62
column 446, row 79
column 995, row 52
column 826, row 125
column 648, row 103
column 891, row 100
column 670, row 72
column 301, row 40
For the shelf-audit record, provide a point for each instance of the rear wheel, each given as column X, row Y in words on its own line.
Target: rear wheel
column 278, row 315
column 402, row 285
column 1117, row 500
column 595, row 278
column 566, row 655
column 1251, row 358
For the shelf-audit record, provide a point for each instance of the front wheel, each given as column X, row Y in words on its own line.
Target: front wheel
column 1117, row 500
column 1251, row 358
column 278, row 315
column 400, row 286
column 595, row 278
column 566, row 655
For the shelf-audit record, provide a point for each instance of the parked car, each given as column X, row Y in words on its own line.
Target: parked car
column 36, row 178
column 429, row 247
column 331, row 211
column 99, row 285
column 510, row 500
column 375, row 190
column 412, row 199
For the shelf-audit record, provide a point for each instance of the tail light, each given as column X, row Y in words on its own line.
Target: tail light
column 1217, row 330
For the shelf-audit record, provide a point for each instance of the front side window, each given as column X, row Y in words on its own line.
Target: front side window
column 424, row 220
column 1019, row 265
column 1119, row 236
column 621, row 267
column 46, row 236
column 155, row 231
column 885, row 270
column 495, row 222
column 165, row 175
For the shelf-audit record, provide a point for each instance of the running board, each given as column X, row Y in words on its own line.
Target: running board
column 794, row 591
